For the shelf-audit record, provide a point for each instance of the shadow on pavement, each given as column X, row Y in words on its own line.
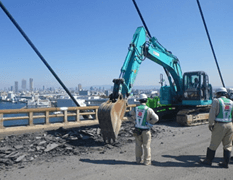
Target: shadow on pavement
column 108, row 161
column 182, row 161
column 185, row 161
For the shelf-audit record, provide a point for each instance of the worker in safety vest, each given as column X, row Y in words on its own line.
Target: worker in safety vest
column 220, row 124
column 144, row 118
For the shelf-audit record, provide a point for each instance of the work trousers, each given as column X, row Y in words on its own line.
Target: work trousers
column 143, row 142
column 222, row 132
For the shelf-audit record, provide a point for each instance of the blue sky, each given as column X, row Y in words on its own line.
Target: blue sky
column 87, row 41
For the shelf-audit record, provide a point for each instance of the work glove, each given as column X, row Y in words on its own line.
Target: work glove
column 211, row 127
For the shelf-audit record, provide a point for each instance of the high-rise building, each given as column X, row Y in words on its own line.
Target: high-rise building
column 31, row 84
column 24, row 84
column 84, row 93
column 16, row 87
column 107, row 92
column 79, row 87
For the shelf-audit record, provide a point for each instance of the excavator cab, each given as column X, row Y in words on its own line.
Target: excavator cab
column 197, row 90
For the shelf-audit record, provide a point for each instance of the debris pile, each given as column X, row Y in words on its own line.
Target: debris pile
column 19, row 150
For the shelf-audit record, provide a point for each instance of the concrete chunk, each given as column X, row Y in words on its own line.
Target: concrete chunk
column 20, row 158
column 41, row 143
column 12, row 155
column 51, row 147
column 5, row 149
column 18, row 147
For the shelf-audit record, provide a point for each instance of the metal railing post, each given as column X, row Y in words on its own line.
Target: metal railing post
column 31, row 119
column 47, row 117
column 65, row 117
column 96, row 114
column 1, row 121
column 77, row 115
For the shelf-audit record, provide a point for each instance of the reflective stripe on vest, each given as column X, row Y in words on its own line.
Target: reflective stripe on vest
column 225, row 108
column 141, row 114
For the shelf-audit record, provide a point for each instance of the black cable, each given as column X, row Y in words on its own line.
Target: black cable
column 199, row 6
column 37, row 52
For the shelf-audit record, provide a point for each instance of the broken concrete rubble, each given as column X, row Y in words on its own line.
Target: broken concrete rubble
column 20, row 150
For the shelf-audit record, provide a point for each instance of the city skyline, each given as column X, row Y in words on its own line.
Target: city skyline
column 87, row 41
column 31, row 86
column 78, row 87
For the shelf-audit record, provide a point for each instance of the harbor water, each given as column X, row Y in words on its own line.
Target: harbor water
column 9, row 105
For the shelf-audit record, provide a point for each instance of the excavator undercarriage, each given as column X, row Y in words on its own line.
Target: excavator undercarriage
column 184, row 115
column 193, row 116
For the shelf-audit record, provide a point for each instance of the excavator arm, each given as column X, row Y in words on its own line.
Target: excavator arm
column 130, row 68
column 141, row 47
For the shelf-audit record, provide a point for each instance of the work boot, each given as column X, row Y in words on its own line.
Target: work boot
column 226, row 159
column 139, row 160
column 147, row 163
column 209, row 157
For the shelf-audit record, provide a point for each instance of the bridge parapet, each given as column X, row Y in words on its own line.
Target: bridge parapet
column 81, row 116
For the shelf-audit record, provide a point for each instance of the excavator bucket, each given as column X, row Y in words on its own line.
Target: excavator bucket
column 110, row 115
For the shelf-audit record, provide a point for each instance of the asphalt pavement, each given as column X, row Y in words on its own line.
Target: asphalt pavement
column 176, row 151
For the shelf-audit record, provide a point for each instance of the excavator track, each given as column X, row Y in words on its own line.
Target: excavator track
column 110, row 115
column 193, row 116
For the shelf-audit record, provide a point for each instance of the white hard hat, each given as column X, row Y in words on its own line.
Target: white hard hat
column 221, row 89
column 143, row 96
